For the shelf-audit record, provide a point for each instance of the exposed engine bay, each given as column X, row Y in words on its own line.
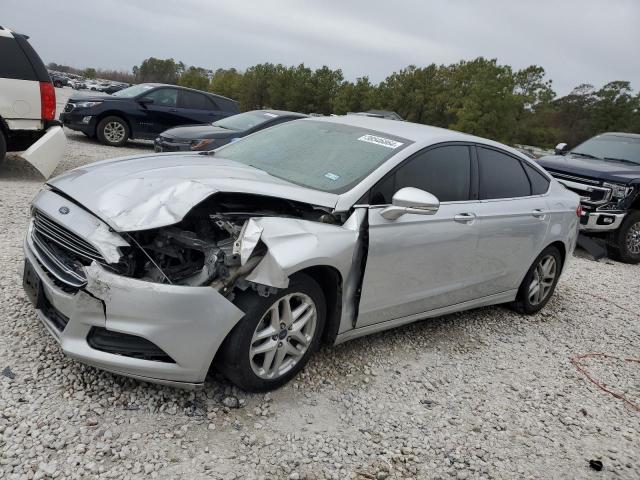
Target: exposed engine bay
column 205, row 247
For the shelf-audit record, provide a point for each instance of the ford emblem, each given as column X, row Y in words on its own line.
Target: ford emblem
column 63, row 210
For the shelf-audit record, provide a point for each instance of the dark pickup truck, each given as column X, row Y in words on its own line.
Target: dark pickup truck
column 605, row 172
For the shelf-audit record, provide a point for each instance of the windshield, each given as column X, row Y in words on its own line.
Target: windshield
column 245, row 121
column 133, row 91
column 613, row 147
column 324, row 156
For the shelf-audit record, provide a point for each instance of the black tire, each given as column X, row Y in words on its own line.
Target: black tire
column 620, row 242
column 103, row 131
column 234, row 359
column 523, row 302
column 3, row 147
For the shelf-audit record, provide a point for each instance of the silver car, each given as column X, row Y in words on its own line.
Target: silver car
column 317, row 230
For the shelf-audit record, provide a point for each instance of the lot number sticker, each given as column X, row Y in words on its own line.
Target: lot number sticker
column 383, row 142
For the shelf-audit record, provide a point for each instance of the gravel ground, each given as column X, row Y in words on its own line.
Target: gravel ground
column 480, row 394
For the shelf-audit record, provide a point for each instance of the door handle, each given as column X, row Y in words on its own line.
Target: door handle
column 538, row 213
column 465, row 217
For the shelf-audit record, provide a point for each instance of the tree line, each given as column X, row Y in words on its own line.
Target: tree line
column 479, row 96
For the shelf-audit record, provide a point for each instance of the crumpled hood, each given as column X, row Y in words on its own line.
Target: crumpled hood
column 607, row 170
column 150, row 191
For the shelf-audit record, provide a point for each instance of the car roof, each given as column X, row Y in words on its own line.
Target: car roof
column 418, row 133
column 283, row 113
column 153, row 84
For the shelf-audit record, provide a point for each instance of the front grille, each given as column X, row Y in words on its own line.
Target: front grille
column 590, row 191
column 63, row 252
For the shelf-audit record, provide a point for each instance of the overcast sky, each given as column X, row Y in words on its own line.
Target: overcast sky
column 576, row 41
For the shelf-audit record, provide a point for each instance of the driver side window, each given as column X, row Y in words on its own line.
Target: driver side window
column 443, row 171
column 164, row 97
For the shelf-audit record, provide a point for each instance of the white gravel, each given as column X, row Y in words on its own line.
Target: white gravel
column 481, row 394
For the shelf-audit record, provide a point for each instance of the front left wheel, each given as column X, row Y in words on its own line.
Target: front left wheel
column 276, row 337
column 113, row 131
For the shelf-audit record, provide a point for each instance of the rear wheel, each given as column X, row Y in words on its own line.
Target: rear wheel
column 624, row 243
column 113, row 131
column 540, row 282
column 276, row 337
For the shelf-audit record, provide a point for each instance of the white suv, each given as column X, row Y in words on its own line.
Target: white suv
column 27, row 105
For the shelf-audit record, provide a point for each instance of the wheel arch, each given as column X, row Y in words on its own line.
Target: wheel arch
column 330, row 281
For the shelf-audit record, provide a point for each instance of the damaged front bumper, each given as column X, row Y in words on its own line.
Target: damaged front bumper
column 188, row 324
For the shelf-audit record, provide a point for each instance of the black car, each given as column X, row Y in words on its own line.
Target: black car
column 605, row 172
column 143, row 111
column 115, row 87
column 210, row 137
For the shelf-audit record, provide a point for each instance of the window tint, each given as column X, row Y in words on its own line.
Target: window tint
column 195, row 100
column 539, row 183
column 164, row 97
column 501, row 176
column 444, row 172
column 13, row 61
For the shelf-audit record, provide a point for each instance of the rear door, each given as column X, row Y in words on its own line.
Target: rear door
column 419, row 263
column 195, row 107
column 513, row 218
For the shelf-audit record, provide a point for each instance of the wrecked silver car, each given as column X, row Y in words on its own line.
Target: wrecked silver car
column 318, row 230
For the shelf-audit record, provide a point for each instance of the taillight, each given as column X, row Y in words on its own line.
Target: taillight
column 47, row 101
column 579, row 211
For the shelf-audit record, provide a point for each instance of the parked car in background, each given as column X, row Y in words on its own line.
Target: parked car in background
column 59, row 81
column 143, row 111
column 313, row 230
column 605, row 172
column 115, row 87
column 78, row 84
column 27, row 105
column 210, row 137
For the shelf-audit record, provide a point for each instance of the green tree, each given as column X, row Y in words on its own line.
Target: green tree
column 354, row 97
column 227, row 83
column 195, row 77
column 157, row 70
column 89, row 73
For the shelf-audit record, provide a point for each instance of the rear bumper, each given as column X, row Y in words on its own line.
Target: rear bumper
column 187, row 323
column 601, row 221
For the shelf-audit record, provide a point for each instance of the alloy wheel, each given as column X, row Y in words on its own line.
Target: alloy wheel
column 114, row 132
column 633, row 239
column 544, row 276
column 283, row 335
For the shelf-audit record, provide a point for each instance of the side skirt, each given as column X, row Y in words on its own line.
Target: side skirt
column 495, row 299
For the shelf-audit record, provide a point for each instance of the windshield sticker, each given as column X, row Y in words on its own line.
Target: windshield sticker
column 332, row 176
column 272, row 115
column 383, row 142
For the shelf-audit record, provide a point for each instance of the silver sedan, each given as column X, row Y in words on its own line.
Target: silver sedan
column 319, row 230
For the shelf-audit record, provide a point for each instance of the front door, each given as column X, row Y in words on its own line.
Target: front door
column 419, row 263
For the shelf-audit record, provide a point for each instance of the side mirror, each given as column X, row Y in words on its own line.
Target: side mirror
column 561, row 149
column 145, row 100
column 411, row 200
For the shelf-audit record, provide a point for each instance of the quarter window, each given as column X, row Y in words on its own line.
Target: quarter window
column 164, row 97
column 539, row 183
column 13, row 62
column 501, row 176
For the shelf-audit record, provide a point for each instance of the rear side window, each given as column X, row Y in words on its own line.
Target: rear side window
column 195, row 101
column 539, row 183
column 13, row 61
column 501, row 176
